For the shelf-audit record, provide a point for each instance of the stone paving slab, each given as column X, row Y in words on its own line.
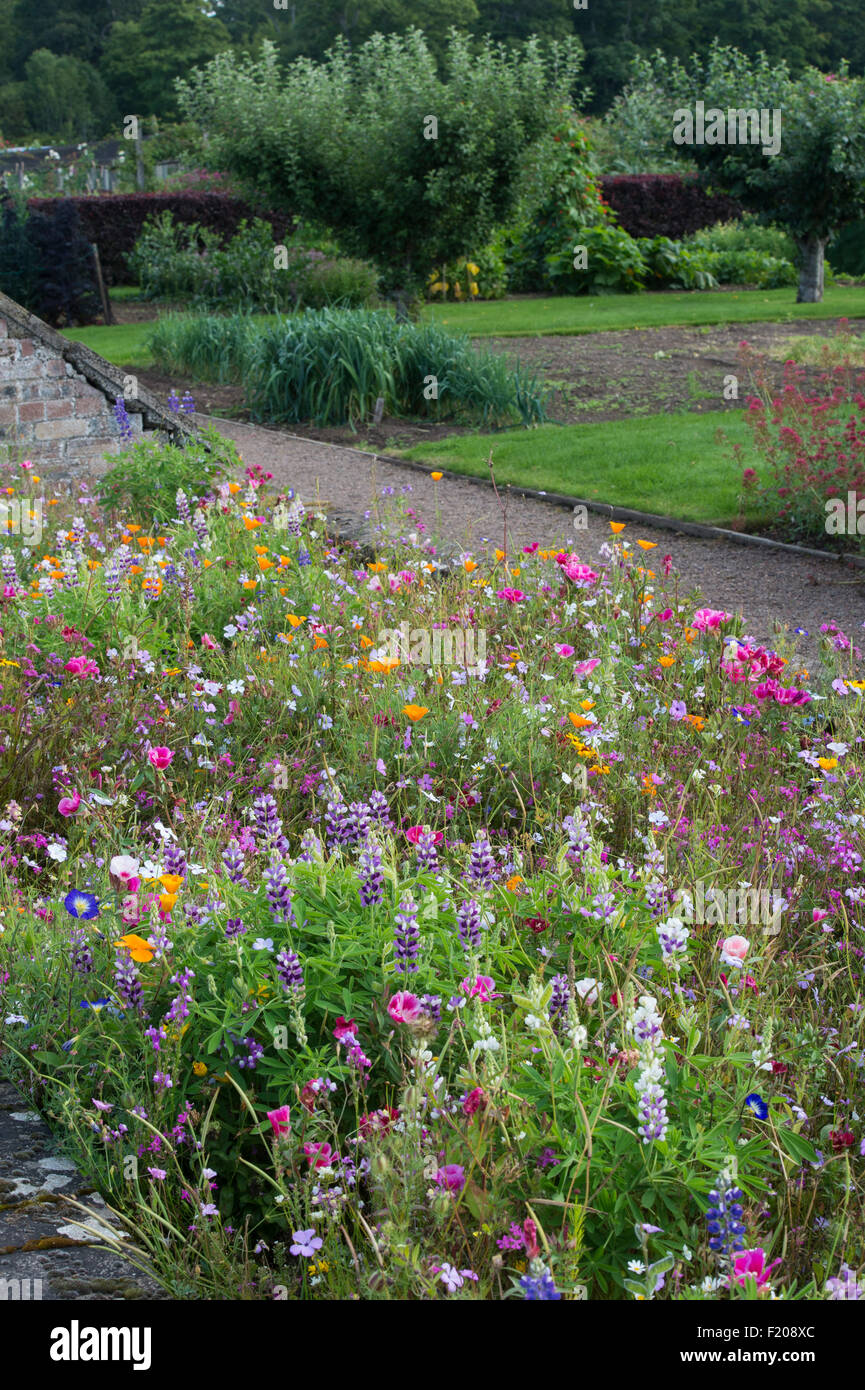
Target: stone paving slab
column 48, row 1248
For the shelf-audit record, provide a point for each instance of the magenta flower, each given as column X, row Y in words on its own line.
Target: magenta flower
column 482, row 987
column 706, row 618
column 345, row 1030
column 452, row 1177
column 573, row 568
column 68, row 805
column 319, row 1155
column 563, row 649
column 414, row 833
column 583, row 668
column 160, row 757
column 751, row 1264
column 511, row 595
column 404, row 1007
column 280, row 1120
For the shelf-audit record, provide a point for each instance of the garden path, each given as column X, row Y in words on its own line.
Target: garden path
column 773, row 589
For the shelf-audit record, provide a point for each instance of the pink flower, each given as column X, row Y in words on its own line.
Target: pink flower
column 583, row 668
column 574, row 569
column 511, row 595
column 130, row 910
column 404, row 1007
column 160, row 757
column 752, row 1264
column 734, row 950
column 81, row 666
column 475, row 1100
column 280, row 1120
column 319, row 1155
column 9, row 590
column 124, row 868
column 452, row 1177
column 345, row 1028
column 68, row 805
column 482, row 987
column 414, row 833
column 210, row 643
column 233, row 707
column 563, row 649
column 706, row 618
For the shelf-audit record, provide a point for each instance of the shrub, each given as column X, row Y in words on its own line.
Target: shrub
column 115, row 221
column 649, row 205
column 145, row 478
column 746, row 252
column 483, row 276
column 675, row 264
column 47, row 265
column 188, row 263
column 614, row 263
column 813, row 444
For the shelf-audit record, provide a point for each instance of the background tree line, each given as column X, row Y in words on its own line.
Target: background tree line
column 69, row 72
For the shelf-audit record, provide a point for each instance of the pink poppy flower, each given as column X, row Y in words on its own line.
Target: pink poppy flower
column 511, row 595
column 68, row 805
column 584, row 668
column 482, row 987
column 563, row 649
column 706, row 618
column 280, row 1120
column 578, row 573
column 319, row 1155
column 160, row 757
column 404, row 1007
column 752, row 1264
column 414, row 833
column 734, row 949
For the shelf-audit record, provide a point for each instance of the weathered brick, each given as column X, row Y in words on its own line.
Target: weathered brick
column 91, row 405
column 59, row 410
column 31, row 410
column 27, row 346
column 58, row 429
column 4, row 329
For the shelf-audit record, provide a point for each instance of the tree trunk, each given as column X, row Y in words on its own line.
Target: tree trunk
column 811, row 251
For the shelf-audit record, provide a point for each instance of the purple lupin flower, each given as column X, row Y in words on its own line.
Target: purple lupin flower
column 482, row 865
column 379, row 811
column 427, row 854
column 370, row 876
column 278, row 892
column 357, row 823
column 122, row 418
column 406, row 937
column 469, row 925
column 579, row 835
column 269, row 822
column 126, row 981
column 310, row 848
column 232, row 858
column 653, row 1113
column 182, row 503
column 559, row 1002
column 336, row 826
column 175, row 859
column 234, row 927
column 80, row 955
column 290, row 971
column 187, row 404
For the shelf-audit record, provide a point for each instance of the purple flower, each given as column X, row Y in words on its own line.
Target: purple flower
column 370, row 876
column 678, row 710
column 306, row 1243
column 452, row 1177
column 469, row 925
column 406, row 937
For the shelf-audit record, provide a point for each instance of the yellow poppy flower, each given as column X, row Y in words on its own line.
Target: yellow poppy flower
column 414, row 712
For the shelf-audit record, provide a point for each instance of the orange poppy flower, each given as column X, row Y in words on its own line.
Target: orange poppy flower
column 377, row 566
column 139, row 949
column 414, row 712
column 579, row 722
column 250, row 523
column 171, row 882
column 647, row 545
column 436, row 477
column 470, row 566
column 617, row 526
column 666, row 661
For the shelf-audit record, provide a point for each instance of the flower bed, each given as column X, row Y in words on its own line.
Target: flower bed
column 352, row 956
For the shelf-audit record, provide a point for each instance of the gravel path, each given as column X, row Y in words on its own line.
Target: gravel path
column 773, row 589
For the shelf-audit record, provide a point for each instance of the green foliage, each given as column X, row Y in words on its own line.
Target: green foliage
column 143, row 56
column 471, row 277
column 146, row 476
column 331, row 365
column 614, row 263
column 188, row 262
column 677, row 265
column 350, row 142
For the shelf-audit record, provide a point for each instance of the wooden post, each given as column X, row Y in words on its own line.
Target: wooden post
column 103, row 293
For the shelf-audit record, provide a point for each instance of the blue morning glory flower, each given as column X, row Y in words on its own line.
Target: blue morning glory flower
column 756, row 1103
column 85, row 905
column 738, row 715
column 97, row 1005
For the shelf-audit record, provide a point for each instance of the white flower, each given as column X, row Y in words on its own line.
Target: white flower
column 686, row 1253
column 236, row 687
column 533, row 1022
column 15, row 1018
column 57, row 852
column 636, row 1267
column 588, row 990
column 262, row 943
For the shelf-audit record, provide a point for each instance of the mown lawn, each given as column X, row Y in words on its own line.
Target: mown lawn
column 564, row 315
column 672, row 464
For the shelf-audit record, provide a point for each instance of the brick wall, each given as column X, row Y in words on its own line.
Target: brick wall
column 50, row 413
